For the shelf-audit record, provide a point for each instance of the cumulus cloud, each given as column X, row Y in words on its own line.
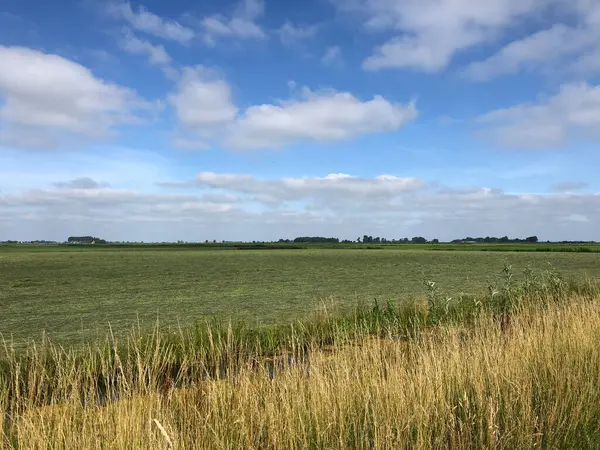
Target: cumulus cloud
column 79, row 207
column 241, row 24
column 148, row 22
column 587, row 64
column 578, row 44
column 569, row 186
column 242, row 206
column 185, row 143
column 46, row 96
column 204, row 106
column 90, row 197
column 202, row 102
column 132, row 44
column 572, row 114
column 156, row 54
column 291, row 34
column 80, row 183
column 122, row 202
column 333, row 56
column 429, row 33
column 344, row 186
column 317, row 116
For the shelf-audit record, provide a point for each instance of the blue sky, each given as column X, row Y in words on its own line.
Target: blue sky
column 268, row 119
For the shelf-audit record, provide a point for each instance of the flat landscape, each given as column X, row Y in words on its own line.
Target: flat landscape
column 515, row 369
column 74, row 294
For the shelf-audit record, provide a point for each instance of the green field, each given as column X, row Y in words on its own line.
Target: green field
column 76, row 293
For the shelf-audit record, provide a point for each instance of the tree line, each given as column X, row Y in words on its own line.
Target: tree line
column 85, row 240
column 366, row 239
column 361, row 240
column 496, row 240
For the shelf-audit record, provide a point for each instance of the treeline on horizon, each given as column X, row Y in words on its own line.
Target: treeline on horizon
column 415, row 240
column 85, row 240
column 366, row 239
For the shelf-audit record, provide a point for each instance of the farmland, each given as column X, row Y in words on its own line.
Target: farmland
column 515, row 369
column 74, row 294
column 512, row 367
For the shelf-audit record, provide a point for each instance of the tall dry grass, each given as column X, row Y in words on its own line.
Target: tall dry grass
column 452, row 384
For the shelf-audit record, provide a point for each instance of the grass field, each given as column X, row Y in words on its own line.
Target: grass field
column 518, row 369
column 75, row 294
column 590, row 247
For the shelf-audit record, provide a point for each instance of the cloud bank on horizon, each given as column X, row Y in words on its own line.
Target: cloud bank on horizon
column 257, row 120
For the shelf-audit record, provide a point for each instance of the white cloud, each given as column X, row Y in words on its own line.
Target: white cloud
column 204, row 106
column 203, row 101
column 576, row 218
column 46, row 96
column 217, row 197
column 185, row 143
column 80, row 183
column 242, row 206
column 89, row 197
column 148, row 22
column 586, row 64
column 572, row 114
column 156, row 53
column 429, row 33
column 341, row 186
column 317, row 116
column 291, row 34
column 414, row 53
column 332, row 56
column 241, row 25
column 544, row 49
column 569, row 186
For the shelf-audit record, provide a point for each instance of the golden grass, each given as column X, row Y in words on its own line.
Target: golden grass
column 536, row 385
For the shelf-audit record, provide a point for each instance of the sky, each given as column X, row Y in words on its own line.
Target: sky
column 260, row 120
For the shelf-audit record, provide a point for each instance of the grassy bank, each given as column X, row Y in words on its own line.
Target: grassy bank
column 515, row 367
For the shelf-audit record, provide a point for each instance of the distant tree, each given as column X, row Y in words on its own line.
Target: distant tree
column 435, row 241
column 419, row 240
column 493, row 240
column 85, row 240
column 317, row 239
